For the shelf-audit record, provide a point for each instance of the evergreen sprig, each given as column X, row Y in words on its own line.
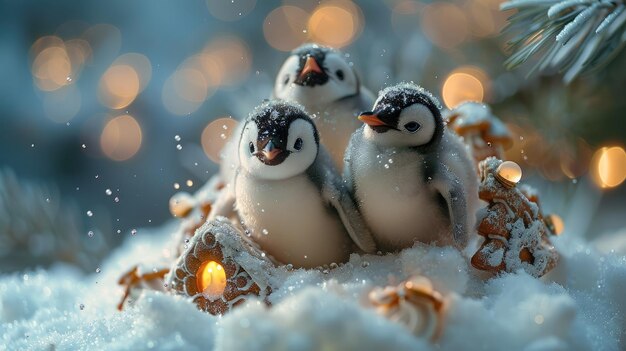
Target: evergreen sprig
column 571, row 36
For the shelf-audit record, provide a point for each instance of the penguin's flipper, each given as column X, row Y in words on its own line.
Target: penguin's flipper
column 343, row 203
column 450, row 187
column 348, row 176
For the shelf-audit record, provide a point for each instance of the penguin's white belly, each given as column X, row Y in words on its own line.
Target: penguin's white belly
column 395, row 202
column 289, row 220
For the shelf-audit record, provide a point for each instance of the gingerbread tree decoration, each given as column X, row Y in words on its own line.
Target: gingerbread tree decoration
column 483, row 132
column 517, row 236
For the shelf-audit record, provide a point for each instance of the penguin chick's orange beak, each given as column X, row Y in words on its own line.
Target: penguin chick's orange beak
column 271, row 154
column 310, row 66
column 371, row 120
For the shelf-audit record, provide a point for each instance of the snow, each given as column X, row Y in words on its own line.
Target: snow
column 580, row 305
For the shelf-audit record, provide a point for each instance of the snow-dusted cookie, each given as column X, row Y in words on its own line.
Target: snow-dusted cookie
column 288, row 194
column 320, row 79
column 413, row 179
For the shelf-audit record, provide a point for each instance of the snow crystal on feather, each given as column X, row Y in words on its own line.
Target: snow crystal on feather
column 403, row 89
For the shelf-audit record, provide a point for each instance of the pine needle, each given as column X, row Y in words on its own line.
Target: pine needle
column 570, row 36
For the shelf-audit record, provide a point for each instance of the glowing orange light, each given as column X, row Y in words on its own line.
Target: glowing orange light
column 119, row 86
column 335, row 23
column 215, row 135
column 121, row 138
column 459, row 87
column 286, row 27
column 609, row 167
column 211, row 279
column 52, row 68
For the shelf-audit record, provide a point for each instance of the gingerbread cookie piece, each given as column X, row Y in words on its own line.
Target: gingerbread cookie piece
column 413, row 304
column 482, row 131
column 516, row 232
column 219, row 268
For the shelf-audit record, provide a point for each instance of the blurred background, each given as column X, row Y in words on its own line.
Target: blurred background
column 106, row 107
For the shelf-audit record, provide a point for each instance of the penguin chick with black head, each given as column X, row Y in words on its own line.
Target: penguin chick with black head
column 287, row 193
column 321, row 79
column 413, row 180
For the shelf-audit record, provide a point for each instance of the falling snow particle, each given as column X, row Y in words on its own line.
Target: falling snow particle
column 89, row 213
column 108, row 192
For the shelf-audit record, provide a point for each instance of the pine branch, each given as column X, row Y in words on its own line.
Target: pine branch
column 571, row 36
column 37, row 229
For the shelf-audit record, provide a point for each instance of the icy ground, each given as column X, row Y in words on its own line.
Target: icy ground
column 579, row 306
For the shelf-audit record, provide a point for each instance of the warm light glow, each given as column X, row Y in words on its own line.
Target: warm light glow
column 335, row 23
column 444, row 24
column 230, row 10
column 185, row 91
column 232, row 57
column 119, row 86
column 480, row 17
column 215, row 135
column 510, row 171
column 609, row 166
column 121, row 138
column 461, row 86
column 52, row 68
column 285, row 28
column 557, row 223
column 211, row 279
column 181, row 204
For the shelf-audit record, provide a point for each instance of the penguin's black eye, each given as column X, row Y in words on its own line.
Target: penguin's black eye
column 298, row 144
column 412, row 126
column 251, row 147
column 339, row 74
column 286, row 80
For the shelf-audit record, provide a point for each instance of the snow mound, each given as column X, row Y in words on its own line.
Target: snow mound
column 580, row 305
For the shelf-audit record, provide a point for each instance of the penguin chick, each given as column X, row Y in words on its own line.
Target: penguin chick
column 287, row 193
column 320, row 79
column 413, row 179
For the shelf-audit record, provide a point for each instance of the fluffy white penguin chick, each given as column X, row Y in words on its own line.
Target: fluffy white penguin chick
column 413, row 179
column 287, row 193
column 320, row 79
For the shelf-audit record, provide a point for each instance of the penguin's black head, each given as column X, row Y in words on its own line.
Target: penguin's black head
column 315, row 74
column 404, row 115
column 279, row 140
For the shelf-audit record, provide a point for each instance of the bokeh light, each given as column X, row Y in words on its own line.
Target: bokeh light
column 127, row 76
column 285, row 28
column 121, row 138
column 185, row 91
column 609, row 166
column 52, row 68
column 466, row 83
column 119, row 86
column 233, row 59
column 335, row 23
column 230, row 10
column 444, row 24
column 215, row 135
